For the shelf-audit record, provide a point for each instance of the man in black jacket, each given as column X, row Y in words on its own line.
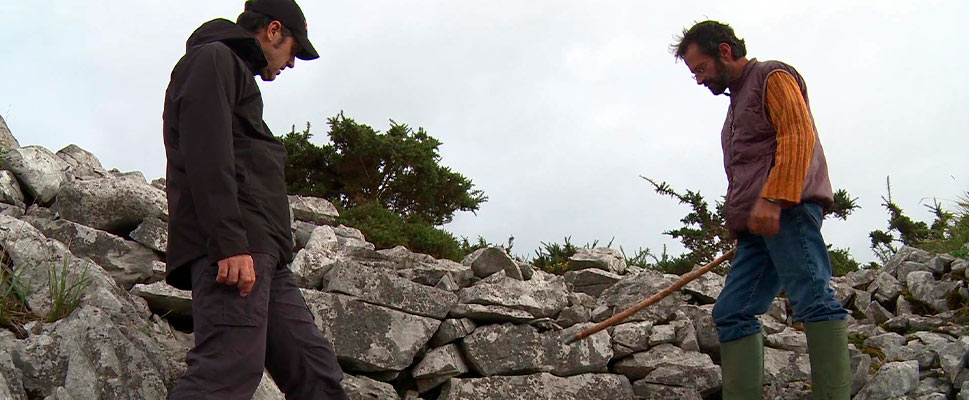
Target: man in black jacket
column 230, row 240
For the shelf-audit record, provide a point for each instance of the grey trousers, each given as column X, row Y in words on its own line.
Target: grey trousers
column 236, row 337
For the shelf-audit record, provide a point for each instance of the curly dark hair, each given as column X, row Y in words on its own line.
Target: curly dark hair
column 708, row 35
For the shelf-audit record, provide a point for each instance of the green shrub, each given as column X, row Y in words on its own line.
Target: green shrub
column 841, row 261
column 948, row 233
column 385, row 229
column 553, row 257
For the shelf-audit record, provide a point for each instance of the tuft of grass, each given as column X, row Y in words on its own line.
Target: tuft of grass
column 65, row 292
column 14, row 312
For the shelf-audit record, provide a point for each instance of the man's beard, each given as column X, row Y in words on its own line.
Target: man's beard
column 719, row 86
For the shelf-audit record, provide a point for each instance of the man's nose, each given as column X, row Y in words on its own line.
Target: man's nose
column 699, row 80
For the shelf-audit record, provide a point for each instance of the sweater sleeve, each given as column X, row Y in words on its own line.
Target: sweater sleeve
column 789, row 115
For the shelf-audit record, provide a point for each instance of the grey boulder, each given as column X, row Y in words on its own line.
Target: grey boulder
column 39, row 171
column 313, row 210
column 10, row 192
column 153, row 233
column 520, row 349
column 604, row 258
column 114, row 204
column 369, row 338
column 542, row 296
column 82, row 163
column 383, row 287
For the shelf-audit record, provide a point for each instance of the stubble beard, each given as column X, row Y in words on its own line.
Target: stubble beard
column 719, row 86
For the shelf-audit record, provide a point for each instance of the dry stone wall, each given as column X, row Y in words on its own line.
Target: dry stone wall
column 408, row 326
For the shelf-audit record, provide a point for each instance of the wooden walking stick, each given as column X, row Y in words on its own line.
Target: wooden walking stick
column 654, row 298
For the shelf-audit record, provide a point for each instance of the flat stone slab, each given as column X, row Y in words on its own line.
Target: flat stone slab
column 369, row 338
column 165, row 299
column 520, row 349
column 540, row 297
column 490, row 314
column 384, row 288
column 541, row 386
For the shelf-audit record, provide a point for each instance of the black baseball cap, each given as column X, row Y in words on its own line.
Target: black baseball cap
column 289, row 13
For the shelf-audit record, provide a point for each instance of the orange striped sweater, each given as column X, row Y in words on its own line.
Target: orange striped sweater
column 789, row 115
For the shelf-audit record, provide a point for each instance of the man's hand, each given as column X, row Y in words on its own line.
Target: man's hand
column 237, row 271
column 765, row 218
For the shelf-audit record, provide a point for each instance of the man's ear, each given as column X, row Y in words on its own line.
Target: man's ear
column 274, row 30
column 726, row 52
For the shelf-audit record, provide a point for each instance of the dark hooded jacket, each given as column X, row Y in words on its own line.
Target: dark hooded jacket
column 225, row 182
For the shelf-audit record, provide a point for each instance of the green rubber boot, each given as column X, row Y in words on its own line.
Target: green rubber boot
column 830, row 364
column 742, row 366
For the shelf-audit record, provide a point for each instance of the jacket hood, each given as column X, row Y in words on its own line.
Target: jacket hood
column 242, row 43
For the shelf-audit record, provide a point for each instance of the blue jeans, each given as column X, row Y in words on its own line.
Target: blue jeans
column 796, row 259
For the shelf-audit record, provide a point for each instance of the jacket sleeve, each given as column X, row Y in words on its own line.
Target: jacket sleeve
column 206, row 143
column 789, row 115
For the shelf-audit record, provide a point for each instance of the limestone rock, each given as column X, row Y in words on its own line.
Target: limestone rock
column 114, row 204
column 631, row 338
column 782, row 366
column 363, row 388
column 541, row 386
column 662, row 334
column 669, row 365
column 591, row 281
column 892, row 380
column 93, row 355
column 648, row 390
column 541, row 296
column 385, row 288
column 438, row 366
column 706, row 288
column 152, row 233
column 313, row 210
column 311, row 264
column 571, row 315
column 888, row 343
column 10, row 192
column 366, row 337
column 490, row 314
column 697, row 372
column 126, row 261
column 39, row 171
column 452, row 329
column 164, row 299
column 520, row 349
column 886, row 287
column 790, row 339
column 82, row 163
column 634, row 289
column 927, row 290
column 604, row 258
column 494, row 259
column 7, row 140
column 348, row 237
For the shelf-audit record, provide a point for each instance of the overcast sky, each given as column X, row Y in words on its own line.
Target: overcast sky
column 553, row 108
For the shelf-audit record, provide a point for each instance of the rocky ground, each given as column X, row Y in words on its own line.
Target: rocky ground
column 408, row 326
